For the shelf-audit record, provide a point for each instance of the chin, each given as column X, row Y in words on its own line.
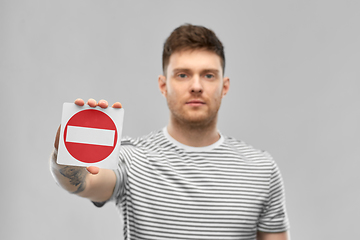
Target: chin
column 193, row 118
column 199, row 120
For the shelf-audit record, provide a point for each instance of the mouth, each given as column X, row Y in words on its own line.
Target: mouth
column 195, row 103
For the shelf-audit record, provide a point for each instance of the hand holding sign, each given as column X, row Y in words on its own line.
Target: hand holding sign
column 90, row 135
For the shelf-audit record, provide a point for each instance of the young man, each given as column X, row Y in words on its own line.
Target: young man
column 187, row 181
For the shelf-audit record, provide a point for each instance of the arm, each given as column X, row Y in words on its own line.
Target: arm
column 91, row 182
column 272, row 236
column 273, row 223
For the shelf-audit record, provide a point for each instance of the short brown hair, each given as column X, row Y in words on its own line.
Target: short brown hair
column 191, row 37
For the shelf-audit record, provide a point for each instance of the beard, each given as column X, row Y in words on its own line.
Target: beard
column 193, row 118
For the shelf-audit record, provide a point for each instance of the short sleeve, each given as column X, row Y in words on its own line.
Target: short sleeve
column 274, row 217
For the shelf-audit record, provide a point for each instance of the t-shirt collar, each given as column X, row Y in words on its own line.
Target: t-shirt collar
column 190, row 148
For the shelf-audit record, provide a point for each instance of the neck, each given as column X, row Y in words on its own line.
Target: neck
column 194, row 135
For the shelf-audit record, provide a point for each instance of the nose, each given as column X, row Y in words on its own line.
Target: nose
column 196, row 86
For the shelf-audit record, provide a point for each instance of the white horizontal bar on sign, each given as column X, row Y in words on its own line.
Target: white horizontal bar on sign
column 95, row 136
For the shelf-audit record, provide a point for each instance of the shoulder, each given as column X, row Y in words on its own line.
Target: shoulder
column 139, row 148
column 247, row 151
column 154, row 138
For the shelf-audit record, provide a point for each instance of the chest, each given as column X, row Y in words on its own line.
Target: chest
column 215, row 189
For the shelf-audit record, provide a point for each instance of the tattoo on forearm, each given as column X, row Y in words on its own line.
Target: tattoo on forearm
column 76, row 176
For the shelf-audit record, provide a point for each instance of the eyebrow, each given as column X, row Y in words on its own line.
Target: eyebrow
column 189, row 70
column 181, row 70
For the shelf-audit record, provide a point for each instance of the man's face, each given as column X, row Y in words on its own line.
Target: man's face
column 194, row 86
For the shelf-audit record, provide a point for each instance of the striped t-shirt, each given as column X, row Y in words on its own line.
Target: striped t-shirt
column 167, row 190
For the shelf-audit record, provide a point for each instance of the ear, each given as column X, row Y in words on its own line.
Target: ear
column 226, row 86
column 162, row 85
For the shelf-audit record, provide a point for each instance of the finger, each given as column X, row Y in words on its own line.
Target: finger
column 103, row 103
column 93, row 170
column 92, row 102
column 56, row 143
column 117, row 105
column 79, row 102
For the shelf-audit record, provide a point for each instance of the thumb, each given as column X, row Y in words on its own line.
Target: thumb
column 93, row 170
column 57, row 137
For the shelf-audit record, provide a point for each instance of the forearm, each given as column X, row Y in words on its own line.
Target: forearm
column 71, row 178
column 79, row 181
column 273, row 236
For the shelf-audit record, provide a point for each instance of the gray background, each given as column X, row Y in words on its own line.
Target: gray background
column 294, row 70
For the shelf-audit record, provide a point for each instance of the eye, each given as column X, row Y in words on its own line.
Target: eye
column 182, row 75
column 209, row 76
